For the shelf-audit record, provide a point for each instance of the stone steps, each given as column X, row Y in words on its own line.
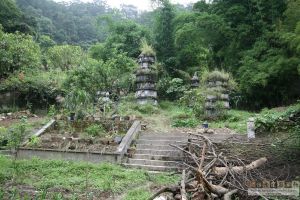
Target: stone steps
column 154, row 162
column 152, row 167
column 157, row 142
column 168, row 138
column 157, row 157
column 154, row 153
column 159, row 152
column 156, row 147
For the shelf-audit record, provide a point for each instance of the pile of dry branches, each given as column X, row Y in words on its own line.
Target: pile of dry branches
column 208, row 174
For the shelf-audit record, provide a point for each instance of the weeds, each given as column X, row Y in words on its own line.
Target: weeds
column 278, row 120
column 138, row 194
column 71, row 176
column 235, row 120
column 146, row 49
column 95, row 130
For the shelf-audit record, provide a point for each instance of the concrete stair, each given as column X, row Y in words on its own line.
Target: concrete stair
column 151, row 167
column 157, row 157
column 154, row 153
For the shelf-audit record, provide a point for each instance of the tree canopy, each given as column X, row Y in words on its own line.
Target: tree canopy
column 258, row 42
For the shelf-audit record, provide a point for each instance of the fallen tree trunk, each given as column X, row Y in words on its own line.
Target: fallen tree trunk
column 183, row 191
column 221, row 171
column 201, row 179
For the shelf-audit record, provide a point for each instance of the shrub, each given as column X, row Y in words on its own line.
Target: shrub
column 16, row 134
column 218, row 75
column 275, row 121
column 95, row 130
column 34, row 141
column 36, row 86
column 129, row 106
column 146, row 49
column 147, row 109
column 65, row 57
column 171, row 89
column 18, row 52
column 189, row 122
column 3, row 136
column 194, row 99
column 77, row 100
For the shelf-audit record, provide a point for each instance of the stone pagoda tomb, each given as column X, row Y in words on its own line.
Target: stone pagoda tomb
column 217, row 96
column 146, row 80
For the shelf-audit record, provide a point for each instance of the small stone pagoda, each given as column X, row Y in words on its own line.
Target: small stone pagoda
column 146, row 80
column 195, row 81
column 217, row 96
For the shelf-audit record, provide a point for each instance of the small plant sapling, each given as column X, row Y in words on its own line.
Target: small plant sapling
column 77, row 100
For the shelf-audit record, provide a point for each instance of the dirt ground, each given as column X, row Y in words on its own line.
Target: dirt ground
column 67, row 141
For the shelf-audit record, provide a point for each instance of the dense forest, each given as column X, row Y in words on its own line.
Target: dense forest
column 209, row 90
column 49, row 48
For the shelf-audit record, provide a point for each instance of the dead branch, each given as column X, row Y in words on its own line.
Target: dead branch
column 209, row 174
column 221, row 171
column 183, row 191
column 173, row 190
column 202, row 156
column 228, row 195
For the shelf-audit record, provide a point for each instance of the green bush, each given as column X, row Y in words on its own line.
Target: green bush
column 275, row 121
column 36, row 86
column 171, row 89
column 189, row 122
column 34, row 141
column 194, row 99
column 95, row 130
column 147, row 109
column 3, row 136
column 234, row 119
column 65, row 57
column 129, row 106
column 18, row 52
column 77, row 101
column 114, row 75
column 146, row 49
column 16, row 134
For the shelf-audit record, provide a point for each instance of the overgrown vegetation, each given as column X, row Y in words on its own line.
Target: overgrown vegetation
column 67, row 54
column 279, row 119
column 146, row 49
column 91, row 179
column 95, row 130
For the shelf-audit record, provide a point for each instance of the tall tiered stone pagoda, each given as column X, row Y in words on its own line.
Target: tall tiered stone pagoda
column 146, row 80
column 217, row 97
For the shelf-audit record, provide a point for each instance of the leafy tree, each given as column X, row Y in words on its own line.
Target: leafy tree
column 38, row 87
column 13, row 19
column 164, row 35
column 114, row 75
column 17, row 52
column 9, row 14
column 45, row 42
column 192, row 51
column 65, row 57
column 72, row 23
column 16, row 134
column 125, row 37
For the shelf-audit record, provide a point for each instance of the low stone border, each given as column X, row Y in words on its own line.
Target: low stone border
column 50, row 154
column 94, row 157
